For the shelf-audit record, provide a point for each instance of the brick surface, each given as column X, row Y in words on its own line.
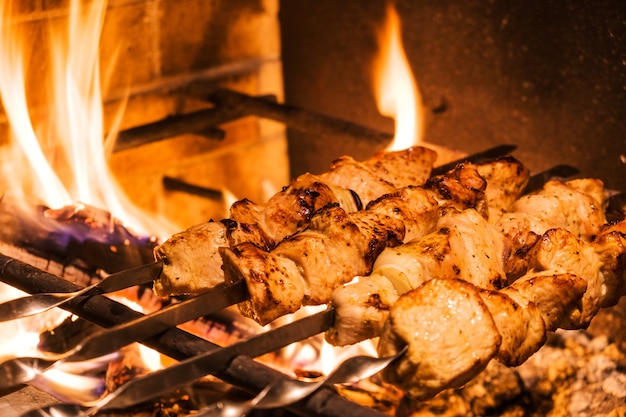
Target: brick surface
column 215, row 32
column 165, row 55
column 128, row 49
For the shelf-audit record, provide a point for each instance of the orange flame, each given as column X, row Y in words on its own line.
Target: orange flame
column 68, row 164
column 56, row 153
column 395, row 87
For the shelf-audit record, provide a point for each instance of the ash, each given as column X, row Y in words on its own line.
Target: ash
column 574, row 374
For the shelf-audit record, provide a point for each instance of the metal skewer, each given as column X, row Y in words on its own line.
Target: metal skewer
column 38, row 303
column 22, row 370
column 285, row 392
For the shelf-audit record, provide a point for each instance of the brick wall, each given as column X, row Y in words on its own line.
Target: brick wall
column 161, row 58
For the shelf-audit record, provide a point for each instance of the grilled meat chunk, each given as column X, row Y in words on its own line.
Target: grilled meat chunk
column 571, row 205
column 419, row 208
column 286, row 212
column 453, row 328
column 383, row 173
column 275, row 283
column 450, row 334
column 188, row 267
column 506, row 180
column 461, row 187
column 416, row 207
column 330, row 252
column 464, row 246
column 521, row 326
column 362, row 307
column 597, row 262
column 610, row 246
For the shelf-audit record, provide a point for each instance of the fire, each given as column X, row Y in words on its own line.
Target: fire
column 61, row 158
column 56, row 152
column 396, row 89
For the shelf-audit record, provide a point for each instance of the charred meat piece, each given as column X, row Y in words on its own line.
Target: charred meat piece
column 461, row 187
column 419, row 208
column 330, row 252
column 286, row 212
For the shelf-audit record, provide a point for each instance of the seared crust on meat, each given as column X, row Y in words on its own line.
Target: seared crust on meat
column 461, row 187
column 383, row 173
column 330, row 252
column 274, row 282
column 414, row 206
column 286, row 212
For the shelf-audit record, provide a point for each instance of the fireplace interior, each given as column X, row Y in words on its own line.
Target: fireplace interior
column 546, row 77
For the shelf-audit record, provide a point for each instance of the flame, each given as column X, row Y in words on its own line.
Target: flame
column 152, row 359
column 395, row 87
column 64, row 158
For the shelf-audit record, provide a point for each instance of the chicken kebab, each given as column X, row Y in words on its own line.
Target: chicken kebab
column 456, row 298
column 337, row 244
column 306, row 267
column 465, row 269
column 191, row 260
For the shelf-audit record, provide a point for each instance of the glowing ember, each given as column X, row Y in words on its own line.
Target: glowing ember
column 396, row 90
column 68, row 163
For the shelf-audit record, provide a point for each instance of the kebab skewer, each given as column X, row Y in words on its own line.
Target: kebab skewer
column 306, row 267
column 454, row 328
column 562, row 277
column 193, row 253
column 467, row 246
